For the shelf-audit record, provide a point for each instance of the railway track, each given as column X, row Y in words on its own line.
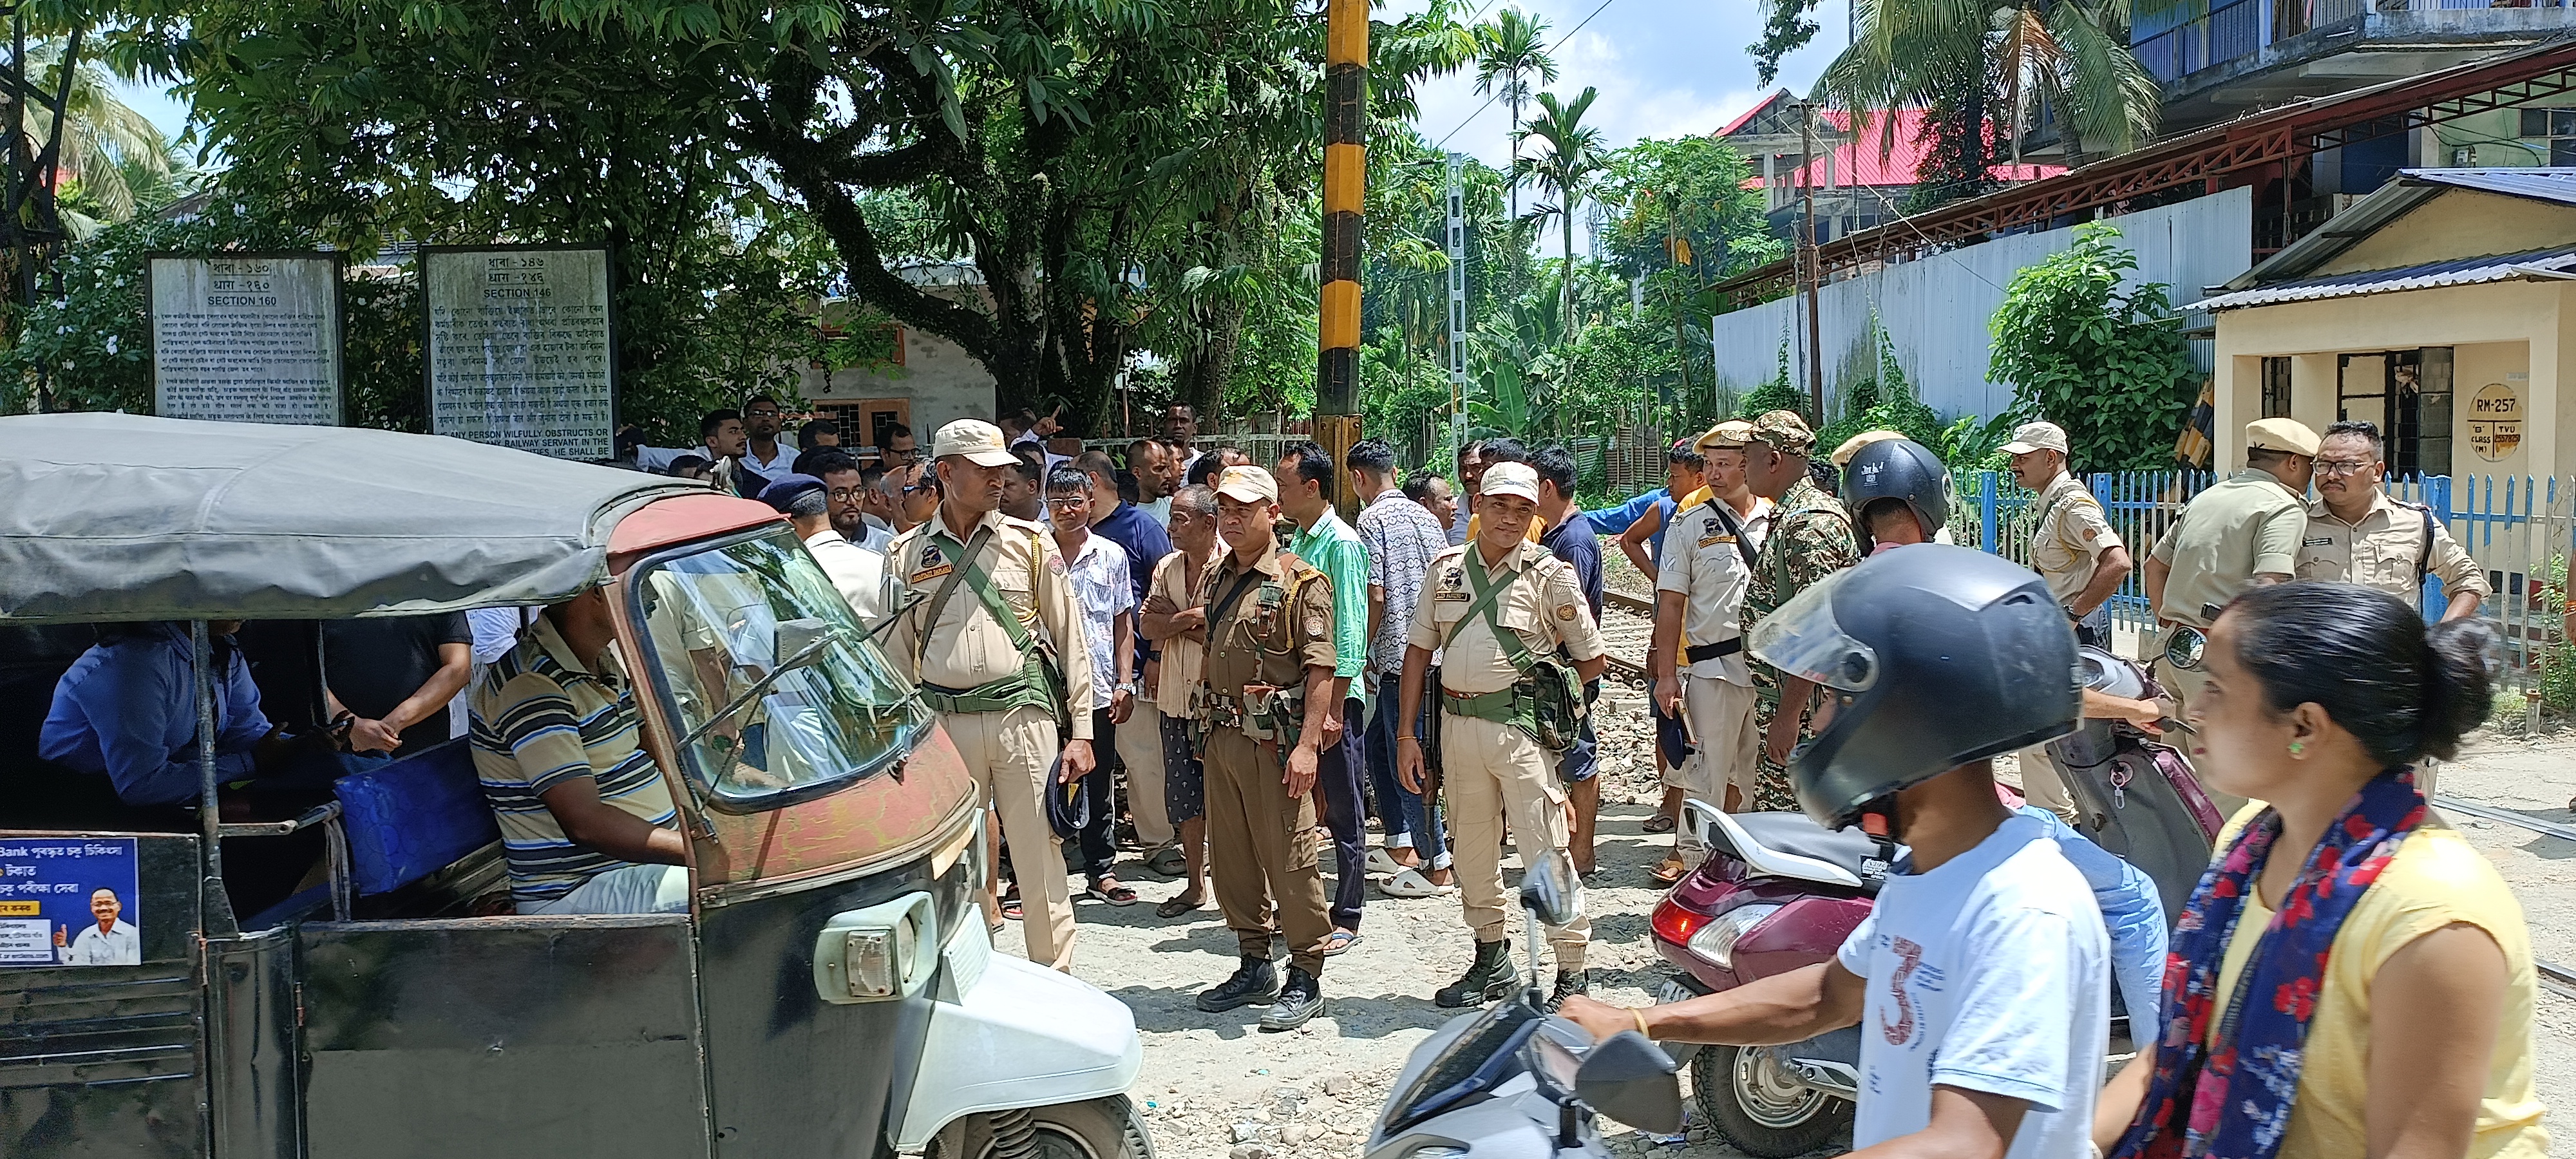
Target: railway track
column 1628, row 627
column 2557, row 976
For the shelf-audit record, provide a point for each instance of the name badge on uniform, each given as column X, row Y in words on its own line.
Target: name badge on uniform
column 2320, row 541
column 1714, row 540
column 931, row 573
column 1452, row 586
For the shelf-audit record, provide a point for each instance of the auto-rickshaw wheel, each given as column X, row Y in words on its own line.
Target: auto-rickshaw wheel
column 1106, row 1128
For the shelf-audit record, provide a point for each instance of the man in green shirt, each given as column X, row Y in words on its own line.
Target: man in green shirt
column 1305, row 476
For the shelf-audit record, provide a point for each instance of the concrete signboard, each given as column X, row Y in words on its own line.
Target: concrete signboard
column 246, row 337
column 2495, row 421
column 520, row 348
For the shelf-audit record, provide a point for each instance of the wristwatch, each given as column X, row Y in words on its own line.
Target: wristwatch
column 1129, row 688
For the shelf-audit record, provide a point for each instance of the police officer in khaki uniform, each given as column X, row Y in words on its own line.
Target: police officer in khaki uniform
column 2236, row 534
column 1268, row 695
column 1492, row 765
column 2358, row 534
column 983, row 675
column 2073, row 547
column 1698, row 656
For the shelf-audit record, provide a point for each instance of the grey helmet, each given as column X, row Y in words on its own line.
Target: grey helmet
column 1897, row 469
column 1938, row 655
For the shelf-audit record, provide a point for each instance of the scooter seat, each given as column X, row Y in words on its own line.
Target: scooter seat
column 1796, row 835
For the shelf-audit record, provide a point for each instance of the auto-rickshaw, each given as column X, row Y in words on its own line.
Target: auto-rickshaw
column 831, row 990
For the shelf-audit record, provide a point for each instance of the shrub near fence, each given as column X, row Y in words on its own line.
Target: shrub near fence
column 2521, row 529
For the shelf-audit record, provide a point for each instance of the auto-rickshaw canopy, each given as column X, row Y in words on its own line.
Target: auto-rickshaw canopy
column 124, row 517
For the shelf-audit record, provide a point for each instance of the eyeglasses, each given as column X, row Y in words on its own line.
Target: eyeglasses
column 1067, row 504
column 847, row 494
column 2339, row 466
column 762, row 413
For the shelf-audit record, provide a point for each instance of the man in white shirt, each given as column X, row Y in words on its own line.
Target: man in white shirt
column 720, row 439
column 766, row 451
column 1981, row 978
column 1698, row 650
column 857, row 573
column 1101, row 584
column 109, row 943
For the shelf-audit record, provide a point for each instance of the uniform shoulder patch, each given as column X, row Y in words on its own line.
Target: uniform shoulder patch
column 1565, row 612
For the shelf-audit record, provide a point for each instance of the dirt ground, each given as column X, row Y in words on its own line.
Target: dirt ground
column 1214, row 1087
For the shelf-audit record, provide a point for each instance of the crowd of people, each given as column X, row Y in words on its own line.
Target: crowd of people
column 1193, row 654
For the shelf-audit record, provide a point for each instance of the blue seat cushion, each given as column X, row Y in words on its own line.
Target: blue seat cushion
column 414, row 816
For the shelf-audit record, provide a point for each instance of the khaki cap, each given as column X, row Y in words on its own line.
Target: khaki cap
column 1725, row 436
column 1512, row 479
column 1248, row 485
column 2041, row 436
column 2281, row 435
column 1842, row 455
column 976, row 441
column 1784, row 431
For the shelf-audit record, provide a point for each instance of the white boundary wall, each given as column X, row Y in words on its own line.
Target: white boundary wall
column 1936, row 309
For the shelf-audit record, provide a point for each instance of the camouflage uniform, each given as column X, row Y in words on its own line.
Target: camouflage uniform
column 1811, row 538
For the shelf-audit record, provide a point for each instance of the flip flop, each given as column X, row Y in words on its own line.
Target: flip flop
column 1167, row 861
column 1339, row 942
column 1116, row 894
column 1658, row 824
column 1381, row 861
column 1177, row 905
column 1668, row 871
column 1411, row 883
column 1011, row 909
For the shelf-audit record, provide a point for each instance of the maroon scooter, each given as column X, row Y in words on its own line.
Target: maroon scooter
column 1780, row 893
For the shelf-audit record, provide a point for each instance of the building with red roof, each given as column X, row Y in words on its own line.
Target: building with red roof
column 1860, row 179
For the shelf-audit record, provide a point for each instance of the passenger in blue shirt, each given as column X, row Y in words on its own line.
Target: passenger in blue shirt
column 2131, row 911
column 1570, row 537
column 127, row 710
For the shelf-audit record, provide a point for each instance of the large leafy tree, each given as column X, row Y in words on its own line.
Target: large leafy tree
column 2097, row 355
column 1574, row 155
column 1091, row 163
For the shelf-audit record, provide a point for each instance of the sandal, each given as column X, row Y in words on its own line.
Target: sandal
column 1167, row 861
column 1108, row 890
column 1410, row 882
column 1658, row 823
column 1011, row 909
column 1179, row 904
column 1381, row 861
column 1668, row 871
column 1338, row 942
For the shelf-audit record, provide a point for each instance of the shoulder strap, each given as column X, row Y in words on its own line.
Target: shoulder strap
column 2050, row 510
column 2424, row 559
column 1734, row 527
column 968, row 572
column 1487, row 593
column 1225, row 603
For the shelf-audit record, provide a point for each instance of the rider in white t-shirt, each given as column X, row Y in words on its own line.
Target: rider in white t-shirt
column 1981, row 980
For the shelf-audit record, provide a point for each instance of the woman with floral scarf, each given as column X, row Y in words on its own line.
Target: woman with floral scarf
column 2350, row 978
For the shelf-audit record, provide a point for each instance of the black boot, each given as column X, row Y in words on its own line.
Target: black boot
column 1492, row 976
column 1302, row 998
column 1568, row 984
column 1255, row 981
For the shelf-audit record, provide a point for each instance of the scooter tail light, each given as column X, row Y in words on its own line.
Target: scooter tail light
column 1674, row 923
column 1715, row 941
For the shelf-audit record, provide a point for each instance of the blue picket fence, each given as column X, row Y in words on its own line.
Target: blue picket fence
column 2518, row 527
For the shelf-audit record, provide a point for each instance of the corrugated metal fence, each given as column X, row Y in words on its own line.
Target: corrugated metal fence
column 2522, row 529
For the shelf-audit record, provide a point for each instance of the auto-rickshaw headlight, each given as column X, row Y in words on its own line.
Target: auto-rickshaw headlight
column 885, row 952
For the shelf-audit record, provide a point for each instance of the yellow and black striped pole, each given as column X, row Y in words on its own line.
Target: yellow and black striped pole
column 1337, row 380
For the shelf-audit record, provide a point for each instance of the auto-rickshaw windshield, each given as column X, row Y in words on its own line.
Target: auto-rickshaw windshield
column 767, row 675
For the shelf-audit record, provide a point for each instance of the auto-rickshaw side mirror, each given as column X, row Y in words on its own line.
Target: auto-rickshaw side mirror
column 1552, row 891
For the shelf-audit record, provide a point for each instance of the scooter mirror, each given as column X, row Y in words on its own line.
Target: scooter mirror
column 1552, row 891
column 1627, row 1077
column 2183, row 647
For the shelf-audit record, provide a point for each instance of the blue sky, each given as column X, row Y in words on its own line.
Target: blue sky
column 1664, row 68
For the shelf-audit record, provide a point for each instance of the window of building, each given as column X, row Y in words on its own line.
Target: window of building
column 2408, row 393
column 2554, row 129
column 2276, row 388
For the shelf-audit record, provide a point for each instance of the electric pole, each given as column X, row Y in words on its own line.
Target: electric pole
column 1810, row 259
column 1337, row 378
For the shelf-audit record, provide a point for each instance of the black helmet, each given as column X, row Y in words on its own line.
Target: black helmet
column 1940, row 656
column 1897, row 469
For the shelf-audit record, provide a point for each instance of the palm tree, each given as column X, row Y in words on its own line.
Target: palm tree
column 102, row 137
column 1510, row 54
column 1955, row 57
column 1574, row 156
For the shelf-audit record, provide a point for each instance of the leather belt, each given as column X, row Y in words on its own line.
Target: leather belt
column 1699, row 652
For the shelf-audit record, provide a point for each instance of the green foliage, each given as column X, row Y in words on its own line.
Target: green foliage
column 2111, row 367
column 1787, row 26
column 1681, row 204
column 1775, row 393
column 2558, row 663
